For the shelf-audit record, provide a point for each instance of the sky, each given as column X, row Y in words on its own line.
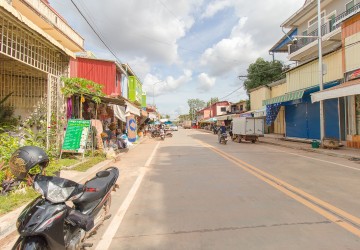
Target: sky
column 182, row 49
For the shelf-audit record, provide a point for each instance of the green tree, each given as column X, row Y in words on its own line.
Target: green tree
column 212, row 101
column 194, row 106
column 82, row 86
column 182, row 118
column 263, row 72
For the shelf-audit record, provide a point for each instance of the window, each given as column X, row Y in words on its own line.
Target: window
column 350, row 5
column 331, row 22
column 241, row 107
column 314, row 20
column 223, row 109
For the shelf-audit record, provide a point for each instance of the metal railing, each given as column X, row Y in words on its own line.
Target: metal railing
column 326, row 28
column 347, row 13
column 56, row 20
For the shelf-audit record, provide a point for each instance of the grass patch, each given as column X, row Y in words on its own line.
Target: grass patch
column 57, row 165
column 16, row 199
column 82, row 167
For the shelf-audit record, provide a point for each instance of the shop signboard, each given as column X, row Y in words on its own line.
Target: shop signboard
column 76, row 136
column 131, row 128
column 135, row 90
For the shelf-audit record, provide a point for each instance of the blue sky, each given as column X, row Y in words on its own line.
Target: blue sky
column 196, row 48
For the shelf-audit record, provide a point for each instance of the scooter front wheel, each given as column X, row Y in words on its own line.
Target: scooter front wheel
column 31, row 243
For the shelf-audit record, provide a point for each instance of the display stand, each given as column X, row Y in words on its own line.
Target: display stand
column 76, row 137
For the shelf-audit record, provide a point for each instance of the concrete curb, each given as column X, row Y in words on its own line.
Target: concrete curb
column 8, row 220
column 309, row 150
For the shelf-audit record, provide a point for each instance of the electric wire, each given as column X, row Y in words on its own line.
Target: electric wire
column 97, row 34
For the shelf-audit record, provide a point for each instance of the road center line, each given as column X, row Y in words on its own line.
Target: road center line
column 327, row 210
column 115, row 223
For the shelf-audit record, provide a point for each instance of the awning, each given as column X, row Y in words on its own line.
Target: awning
column 260, row 112
column 345, row 89
column 131, row 108
column 285, row 98
column 223, row 117
column 119, row 112
column 282, row 44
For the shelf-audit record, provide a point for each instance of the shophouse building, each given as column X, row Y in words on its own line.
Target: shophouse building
column 302, row 115
column 36, row 45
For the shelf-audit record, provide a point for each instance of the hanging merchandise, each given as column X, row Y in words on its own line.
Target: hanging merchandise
column 272, row 111
column 69, row 108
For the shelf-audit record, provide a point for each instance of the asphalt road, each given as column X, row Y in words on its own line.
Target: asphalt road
column 189, row 192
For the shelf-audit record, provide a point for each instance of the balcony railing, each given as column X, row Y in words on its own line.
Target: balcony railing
column 326, row 28
column 56, row 20
column 350, row 12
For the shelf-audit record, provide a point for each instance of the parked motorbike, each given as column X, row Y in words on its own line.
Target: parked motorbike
column 215, row 130
column 49, row 221
column 168, row 133
column 155, row 133
column 223, row 138
column 162, row 134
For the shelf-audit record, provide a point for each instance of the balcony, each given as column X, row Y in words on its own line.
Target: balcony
column 326, row 28
column 45, row 17
column 346, row 14
column 306, row 48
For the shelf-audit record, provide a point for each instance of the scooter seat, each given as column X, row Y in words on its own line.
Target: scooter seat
column 96, row 188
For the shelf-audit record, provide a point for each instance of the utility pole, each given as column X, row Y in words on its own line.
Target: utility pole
column 322, row 118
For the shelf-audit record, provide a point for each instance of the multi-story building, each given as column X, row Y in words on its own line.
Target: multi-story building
column 302, row 115
column 36, row 45
column 239, row 107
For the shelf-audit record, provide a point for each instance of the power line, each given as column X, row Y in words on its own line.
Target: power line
column 97, row 34
column 231, row 93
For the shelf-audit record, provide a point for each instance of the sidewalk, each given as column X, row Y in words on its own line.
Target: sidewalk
column 342, row 152
column 8, row 233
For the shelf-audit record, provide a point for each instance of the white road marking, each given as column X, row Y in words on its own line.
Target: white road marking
column 110, row 232
column 338, row 164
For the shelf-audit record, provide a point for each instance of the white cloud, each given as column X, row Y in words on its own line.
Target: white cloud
column 146, row 34
column 216, row 6
column 205, row 82
column 153, row 85
column 229, row 54
column 140, row 66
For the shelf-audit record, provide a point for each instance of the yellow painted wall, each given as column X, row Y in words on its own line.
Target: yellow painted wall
column 278, row 90
column 352, row 52
column 307, row 75
column 257, row 96
column 279, row 123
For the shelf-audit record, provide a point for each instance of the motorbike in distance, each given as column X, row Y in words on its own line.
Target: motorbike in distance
column 223, row 138
column 162, row 134
column 49, row 221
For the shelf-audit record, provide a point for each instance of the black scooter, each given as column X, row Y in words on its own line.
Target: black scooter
column 50, row 223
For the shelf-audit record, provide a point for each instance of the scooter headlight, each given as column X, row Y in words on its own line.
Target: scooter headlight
column 38, row 188
column 57, row 194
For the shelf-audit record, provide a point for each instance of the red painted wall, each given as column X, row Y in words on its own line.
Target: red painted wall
column 99, row 71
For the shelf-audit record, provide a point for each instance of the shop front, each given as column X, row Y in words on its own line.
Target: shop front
column 108, row 119
column 348, row 93
column 302, row 117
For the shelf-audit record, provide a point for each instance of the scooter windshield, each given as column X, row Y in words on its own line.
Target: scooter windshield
column 56, row 189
